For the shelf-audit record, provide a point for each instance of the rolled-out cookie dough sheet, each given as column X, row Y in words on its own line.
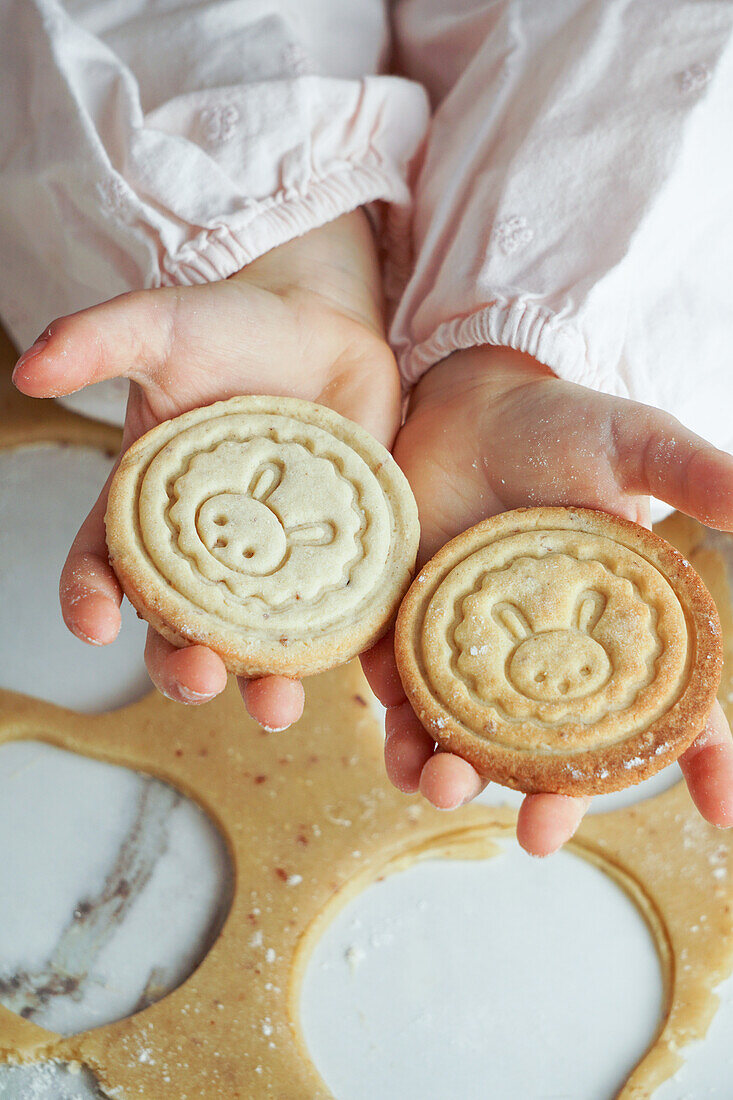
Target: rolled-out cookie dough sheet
column 429, row 982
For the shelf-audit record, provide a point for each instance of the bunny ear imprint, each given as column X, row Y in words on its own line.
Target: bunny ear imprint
column 311, row 534
column 265, row 481
column 512, row 621
column 588, row 610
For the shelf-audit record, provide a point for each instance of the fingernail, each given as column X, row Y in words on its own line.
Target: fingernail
column 31, row 353
column 79, row 633
column 274, row 729
column 187, row 695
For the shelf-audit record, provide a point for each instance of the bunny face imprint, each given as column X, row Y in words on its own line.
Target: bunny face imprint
column 242, row 533
column 245, row 533
column 555, row 638
column 554, row 665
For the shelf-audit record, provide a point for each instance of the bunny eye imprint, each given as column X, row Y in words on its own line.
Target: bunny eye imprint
column 560, row 650
column 272, row 530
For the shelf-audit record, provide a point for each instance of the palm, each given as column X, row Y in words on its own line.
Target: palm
column 548, row 442
column 304, row 348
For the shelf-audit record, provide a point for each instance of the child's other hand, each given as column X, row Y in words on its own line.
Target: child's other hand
column 491, row 429
column 304, row 320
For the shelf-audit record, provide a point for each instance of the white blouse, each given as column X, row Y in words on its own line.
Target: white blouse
column 574, row 197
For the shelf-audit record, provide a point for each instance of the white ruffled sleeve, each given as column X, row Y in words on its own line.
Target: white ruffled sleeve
column 173, row 142
column 576, row 198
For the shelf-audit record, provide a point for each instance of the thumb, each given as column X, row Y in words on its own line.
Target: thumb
column 126, row 337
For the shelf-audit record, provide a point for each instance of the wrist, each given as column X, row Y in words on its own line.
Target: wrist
column 494, row 370
column 335, row 263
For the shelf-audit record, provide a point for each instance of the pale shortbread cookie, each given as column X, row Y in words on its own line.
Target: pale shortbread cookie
column 272, row 530
column 560, row 650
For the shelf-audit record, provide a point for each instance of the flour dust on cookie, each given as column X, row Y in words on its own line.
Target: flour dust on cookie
column 560, row 650
column 273, row 530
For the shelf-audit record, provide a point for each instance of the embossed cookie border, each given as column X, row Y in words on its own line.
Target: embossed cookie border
column 598, row 771
column 182, row 623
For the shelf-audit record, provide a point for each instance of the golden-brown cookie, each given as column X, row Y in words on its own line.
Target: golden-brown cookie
column 560, row 650
column 272, row 530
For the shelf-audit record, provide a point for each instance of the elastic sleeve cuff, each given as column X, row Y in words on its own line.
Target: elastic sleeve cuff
column 226, row 247
column 273, row 162
column 197, row 188
column 513, row 323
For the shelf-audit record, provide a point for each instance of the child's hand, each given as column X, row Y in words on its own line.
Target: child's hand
column 491, row 429
column 304, row 320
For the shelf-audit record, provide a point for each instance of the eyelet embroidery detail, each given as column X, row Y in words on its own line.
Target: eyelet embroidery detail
column 113, row 195
column 512, row 233
column 694, row 79
column 296, row 60
column 219, row 123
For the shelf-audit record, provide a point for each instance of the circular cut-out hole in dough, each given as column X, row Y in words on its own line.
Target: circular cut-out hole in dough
column 48, row 1081
column 47, row 491
column 539, row 977
column 113, row 887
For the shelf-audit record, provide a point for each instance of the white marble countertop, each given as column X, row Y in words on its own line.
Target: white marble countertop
column 113, row 885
